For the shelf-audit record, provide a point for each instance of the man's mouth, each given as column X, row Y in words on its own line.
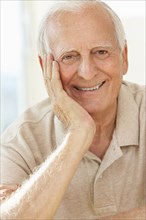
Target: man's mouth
column 94, row 88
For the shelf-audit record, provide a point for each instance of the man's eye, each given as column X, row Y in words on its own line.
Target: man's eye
column 102, row 54
column 69, row 59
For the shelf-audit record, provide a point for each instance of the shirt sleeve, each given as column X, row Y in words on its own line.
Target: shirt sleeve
column 14, row 168
column 18, row 160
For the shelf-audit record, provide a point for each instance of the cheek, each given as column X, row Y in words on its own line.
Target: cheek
column 107, row 66
column 67, row 73
column 113, row 69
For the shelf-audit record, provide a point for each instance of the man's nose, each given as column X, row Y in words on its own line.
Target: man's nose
column 87, row 69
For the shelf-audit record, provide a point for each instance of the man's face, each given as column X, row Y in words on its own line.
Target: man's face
column 91, row 63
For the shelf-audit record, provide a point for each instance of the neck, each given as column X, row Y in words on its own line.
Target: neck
column 107, row 117
column 105, row 124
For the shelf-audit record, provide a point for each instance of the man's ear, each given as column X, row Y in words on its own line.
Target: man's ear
column 41, row 62
column 125, row 59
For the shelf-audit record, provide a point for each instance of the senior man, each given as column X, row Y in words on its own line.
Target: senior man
column 82, row 150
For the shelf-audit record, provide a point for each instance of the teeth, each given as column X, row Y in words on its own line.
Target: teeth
column 90, row 89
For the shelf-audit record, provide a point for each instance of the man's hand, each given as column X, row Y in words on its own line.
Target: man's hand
column 6, row 190
column 66, row 109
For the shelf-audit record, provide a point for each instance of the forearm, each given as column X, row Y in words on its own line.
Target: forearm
column 41, row 195
column 135, row 214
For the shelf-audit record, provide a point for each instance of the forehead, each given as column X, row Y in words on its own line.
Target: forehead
column 88, row 26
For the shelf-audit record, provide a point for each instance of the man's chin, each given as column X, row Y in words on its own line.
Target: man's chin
column 90, row 108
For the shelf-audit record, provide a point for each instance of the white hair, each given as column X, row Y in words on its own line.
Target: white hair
column 76, row 6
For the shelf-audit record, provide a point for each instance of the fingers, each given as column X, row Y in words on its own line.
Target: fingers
column 51, row 76
column 9, row 186
column 47, row 63
column 56, row 81
column 7, row 189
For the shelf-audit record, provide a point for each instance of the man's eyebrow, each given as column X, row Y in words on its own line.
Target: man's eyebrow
column 65, row 51
column 103, row 46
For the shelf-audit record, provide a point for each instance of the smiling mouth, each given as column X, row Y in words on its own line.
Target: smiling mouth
column 94, row 88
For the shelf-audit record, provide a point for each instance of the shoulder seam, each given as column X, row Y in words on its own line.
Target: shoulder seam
column 21, row 125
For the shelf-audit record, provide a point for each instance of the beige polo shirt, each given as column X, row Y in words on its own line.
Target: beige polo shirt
column 99, row 188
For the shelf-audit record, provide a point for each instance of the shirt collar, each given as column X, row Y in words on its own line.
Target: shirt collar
column 127, row 124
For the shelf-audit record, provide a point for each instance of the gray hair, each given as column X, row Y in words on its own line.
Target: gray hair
column 73, row 6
